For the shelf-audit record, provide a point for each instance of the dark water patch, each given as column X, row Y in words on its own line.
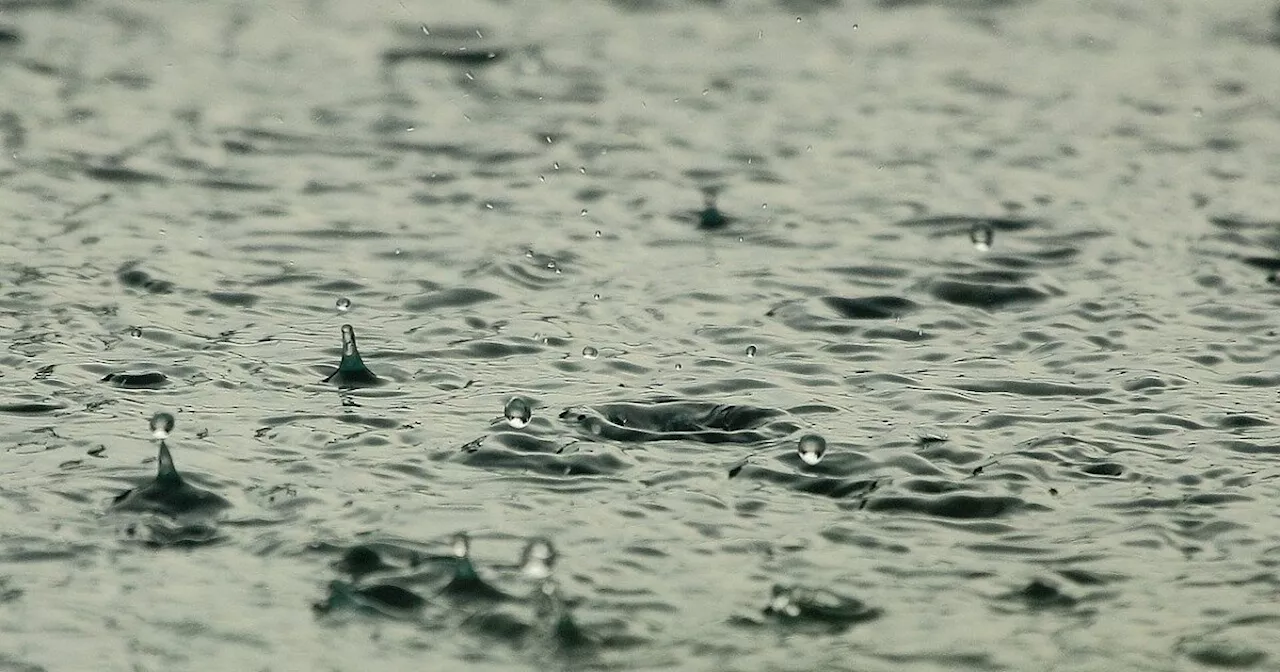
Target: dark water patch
column 534, row 456
column 949, row 225
column 449, row 298
column 462, row 46
column 669, row 419
column 235, row 299
column 120, row 175
column 870, row 308
column 961, row 507
column 233, row 186
column 822, row 610
column 823, row 486
column 1041, row 594
column 30, row 408
column 147, row 380
column 1025, row 388
column 387, row 600
column 133, row 277
column 975, row 291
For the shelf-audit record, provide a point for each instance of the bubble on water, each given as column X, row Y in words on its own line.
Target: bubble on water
column 135, row 332
column 590, row 352
column 811, row 449
column 982, row 237
column 751, row 351
column 537, row 559
column 344, row 304
column 517, row 413
column 161, row 425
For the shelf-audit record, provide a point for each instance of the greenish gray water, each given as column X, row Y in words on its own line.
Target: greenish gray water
column 1014, row 261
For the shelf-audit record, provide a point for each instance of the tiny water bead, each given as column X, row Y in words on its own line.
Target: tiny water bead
column 518, row 413
column 590, row 352
column 161, row 425
column 135, row 332
column 537, row 559
column 811, row 449
column 344, row 304
column 982, row 237
column 751, row 351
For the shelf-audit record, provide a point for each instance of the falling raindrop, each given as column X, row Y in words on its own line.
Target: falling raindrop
column 596, row 297
column 811, row 448
column 161, row 425
column 344, row 304
column 538, row 558
column 751, row 351
column 599, row 232
column 583, row 213
column 590, row 352
column 982, row 237
column 517, row 413
column 135, row 332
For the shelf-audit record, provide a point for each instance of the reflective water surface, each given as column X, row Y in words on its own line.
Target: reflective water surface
column 760, row 335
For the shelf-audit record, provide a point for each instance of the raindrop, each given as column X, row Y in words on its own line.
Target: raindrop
column 590, row 352
column 161, row 425
column 537, row 559
column 461, row 545
column 751, row 351
column 517, row 413
column 596, row 297
column 344, row 304
column 583, row 213
column 811, row 448
column 598, row 231
column 982, row 237
column 135, row 332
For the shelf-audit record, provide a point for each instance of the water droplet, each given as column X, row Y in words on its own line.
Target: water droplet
column 679, row 366
column 517, row 413
column 538, row 558
column 751, row 351
column 811, row 448
column 798, row 19
column 344, row 304
column 461, row 545
column 161, row 425
column 598, row 231
column 782, row 602
column 349, row 341
column 982, row 237
column 596, row 297
column 590, row 352
column 135, row 332
column 583, row 213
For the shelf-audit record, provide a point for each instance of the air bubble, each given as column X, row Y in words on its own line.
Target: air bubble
column 811, row 449
column 517, row 413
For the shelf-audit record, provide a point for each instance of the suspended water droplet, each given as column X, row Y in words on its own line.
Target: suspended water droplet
column 982, row 237
column 679, row 366
column 135, row 332
column 517, row 413
column 344, row 304
column 811, row 448
column 461, row 545
column 751, row 351
column 349, row 341
column 596, row 297
column 598, row 231
column 538, row 558
column 590, row 352
column 161, row 425
column 583, row 213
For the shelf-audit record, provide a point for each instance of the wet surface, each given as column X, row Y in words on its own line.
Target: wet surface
column 897, row 335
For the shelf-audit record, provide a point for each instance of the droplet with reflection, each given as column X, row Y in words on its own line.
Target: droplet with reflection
column 518, row 413
column 751, row 351
column 590, row 352
column 344, row 304
column 466, row 583
column 351, row 371
column 982, row 236
column 161, row 424
column 135, row 332
column 811, row 448
column 538, row 559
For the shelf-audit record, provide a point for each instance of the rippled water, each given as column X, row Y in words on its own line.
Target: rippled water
column 1013, row 263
